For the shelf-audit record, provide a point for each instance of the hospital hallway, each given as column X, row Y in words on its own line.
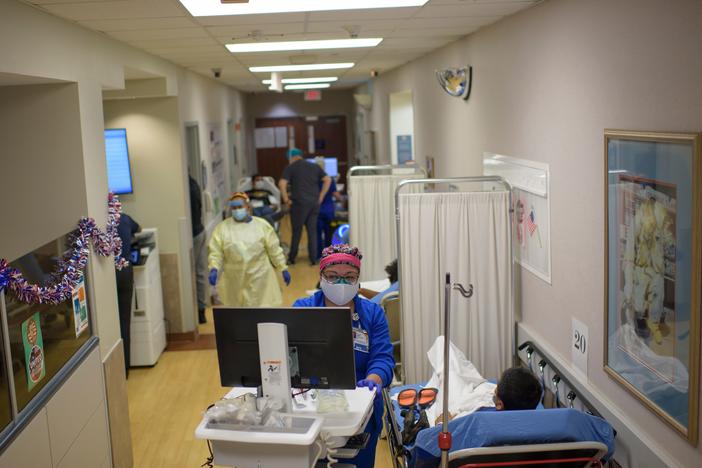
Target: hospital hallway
column 510, row 192
column 166, row 401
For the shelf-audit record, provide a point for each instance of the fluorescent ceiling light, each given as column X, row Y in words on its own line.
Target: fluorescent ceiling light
column 324, row 79
column 303, row 45
column 312, row 66
column 308, row 86
column 258, row 7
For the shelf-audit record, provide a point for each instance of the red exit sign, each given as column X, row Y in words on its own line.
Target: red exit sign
column 313, row 95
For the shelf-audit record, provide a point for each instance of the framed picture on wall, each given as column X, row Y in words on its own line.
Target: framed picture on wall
column 653, row 204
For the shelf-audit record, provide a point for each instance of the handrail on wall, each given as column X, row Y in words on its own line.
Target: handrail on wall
column 531, row 347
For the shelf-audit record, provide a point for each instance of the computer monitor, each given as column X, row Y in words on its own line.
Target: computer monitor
column 119, row 173
column 331, row 166
column 320, row 344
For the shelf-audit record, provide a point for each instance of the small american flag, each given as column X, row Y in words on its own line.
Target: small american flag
column 530, row 224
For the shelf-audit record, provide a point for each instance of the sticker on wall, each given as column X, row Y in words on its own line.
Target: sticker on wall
column 579, row 345
column 80, row 307
column 33, row 350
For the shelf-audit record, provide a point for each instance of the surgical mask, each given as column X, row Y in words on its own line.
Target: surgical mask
column 339, row 293
column 258, row 185
column 240, row 214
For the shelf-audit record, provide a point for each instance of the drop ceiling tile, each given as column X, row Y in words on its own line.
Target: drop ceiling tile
column 174, row 42
column 254, row 20
column 266, row 29
column 148, row 34
column 366, row 26
column 451, row 22
column 138, row 23
column 363, row 15
column 116, row 9
column 472, row 9
column 189, row 50
column 411, row 43
column 429, row 32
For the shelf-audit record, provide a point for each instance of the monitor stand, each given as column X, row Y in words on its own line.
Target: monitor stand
column 275, row 371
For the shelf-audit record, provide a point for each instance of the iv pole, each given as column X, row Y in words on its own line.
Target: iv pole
column 445, row 435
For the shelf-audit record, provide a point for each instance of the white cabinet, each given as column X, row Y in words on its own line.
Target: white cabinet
column 148, row 333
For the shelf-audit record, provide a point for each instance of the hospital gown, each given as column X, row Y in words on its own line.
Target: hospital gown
column 246, row 256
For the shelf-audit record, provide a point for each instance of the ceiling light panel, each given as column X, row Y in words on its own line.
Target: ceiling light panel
column 313, row 66
column 303, row 45
column 308, row 86
column 324, row 79
column 253, row 7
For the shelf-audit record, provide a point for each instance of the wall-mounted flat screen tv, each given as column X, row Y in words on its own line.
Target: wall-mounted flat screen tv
column 119, row 173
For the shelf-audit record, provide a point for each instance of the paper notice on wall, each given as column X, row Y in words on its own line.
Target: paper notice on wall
column 281, row 137
column 531, row 205
column 265, row 137
column 80, row 308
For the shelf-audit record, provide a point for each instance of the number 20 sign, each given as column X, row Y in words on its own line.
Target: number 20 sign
column 579, row 345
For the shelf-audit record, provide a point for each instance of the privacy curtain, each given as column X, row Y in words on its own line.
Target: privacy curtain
column 372, row 221
column 467, row 235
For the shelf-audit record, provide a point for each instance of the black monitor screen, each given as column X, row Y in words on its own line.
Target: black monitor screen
column 320, row 341
column 119, row 173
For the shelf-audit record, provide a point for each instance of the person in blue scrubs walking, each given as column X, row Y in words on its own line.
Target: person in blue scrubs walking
column 339, row 268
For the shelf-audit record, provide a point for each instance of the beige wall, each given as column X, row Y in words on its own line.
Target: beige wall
column 155, row 158
column 547, row 82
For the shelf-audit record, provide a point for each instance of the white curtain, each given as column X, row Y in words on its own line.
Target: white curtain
column 372, row 221
column 468, row 236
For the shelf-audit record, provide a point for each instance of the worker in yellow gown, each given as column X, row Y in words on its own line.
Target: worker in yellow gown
column 244, row 253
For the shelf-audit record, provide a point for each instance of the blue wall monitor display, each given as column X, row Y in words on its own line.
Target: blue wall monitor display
column 119, row 174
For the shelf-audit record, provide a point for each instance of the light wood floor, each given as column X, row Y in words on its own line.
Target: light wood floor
column 166, row 401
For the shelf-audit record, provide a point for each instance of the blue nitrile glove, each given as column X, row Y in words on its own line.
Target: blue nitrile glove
column 286, row 277
column 213, row 277
column 371, row 384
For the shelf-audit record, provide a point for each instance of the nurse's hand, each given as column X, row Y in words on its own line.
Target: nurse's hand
column 370, row 384
column 212, row 277
column 286, row 277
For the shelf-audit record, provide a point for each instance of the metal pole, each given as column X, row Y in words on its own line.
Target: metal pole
column 445, row 436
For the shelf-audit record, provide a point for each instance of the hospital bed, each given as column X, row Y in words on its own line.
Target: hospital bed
column 558, row 437
column 540, row 437
column 245, row 184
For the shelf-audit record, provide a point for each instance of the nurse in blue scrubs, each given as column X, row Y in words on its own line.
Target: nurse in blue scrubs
column 340, row 267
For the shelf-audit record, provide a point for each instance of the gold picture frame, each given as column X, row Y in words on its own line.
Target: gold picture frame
column 653, row 271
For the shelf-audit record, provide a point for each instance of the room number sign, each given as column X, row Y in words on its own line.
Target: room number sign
column 579, row 345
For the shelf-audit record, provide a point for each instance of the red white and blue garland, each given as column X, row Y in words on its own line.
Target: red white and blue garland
column 69, row 270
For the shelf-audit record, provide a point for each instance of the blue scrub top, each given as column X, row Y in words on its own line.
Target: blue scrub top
column 327, row 205
column 371, row 318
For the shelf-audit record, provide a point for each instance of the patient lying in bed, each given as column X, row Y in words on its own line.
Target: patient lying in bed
column 518, row 389
column 513, row 421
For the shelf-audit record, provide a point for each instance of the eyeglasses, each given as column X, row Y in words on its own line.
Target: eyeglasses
column 333, row 278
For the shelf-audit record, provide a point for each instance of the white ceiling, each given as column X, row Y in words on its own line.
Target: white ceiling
column 165, row 28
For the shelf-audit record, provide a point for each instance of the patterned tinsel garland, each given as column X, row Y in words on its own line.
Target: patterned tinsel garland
column 70, row 268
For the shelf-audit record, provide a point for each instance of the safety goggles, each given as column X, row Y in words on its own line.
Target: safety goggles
column 410, row 397
column 333, row 278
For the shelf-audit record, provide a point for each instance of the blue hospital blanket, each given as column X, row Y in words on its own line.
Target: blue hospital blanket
column 494, row 428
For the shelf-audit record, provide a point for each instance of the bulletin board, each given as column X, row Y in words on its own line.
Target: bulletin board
column 532, row 210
